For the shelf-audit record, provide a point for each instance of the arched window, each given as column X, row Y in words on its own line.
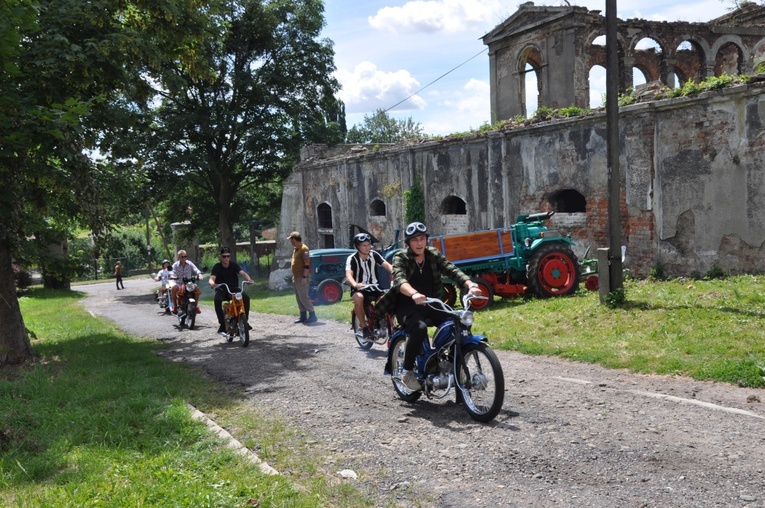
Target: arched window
column 453, row 206
column 377, row 208
column 529, row 68
column 597, row 85
column 729, row 60
column 324, row 214
column 690, row 62
column 568, row 201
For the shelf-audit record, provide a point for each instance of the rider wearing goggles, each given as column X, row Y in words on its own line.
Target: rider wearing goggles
column 361, row 271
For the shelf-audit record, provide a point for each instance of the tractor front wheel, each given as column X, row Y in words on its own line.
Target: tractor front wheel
column 486, row 290
column 553, row 270
column 329, row 291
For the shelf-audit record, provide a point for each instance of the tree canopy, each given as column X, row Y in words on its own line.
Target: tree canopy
column 382, row 128
column 238, row 130
column 75, row 77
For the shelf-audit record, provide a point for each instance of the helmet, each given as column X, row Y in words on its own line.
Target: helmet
column 415, row 229
column 361, row 238
column 165, row 261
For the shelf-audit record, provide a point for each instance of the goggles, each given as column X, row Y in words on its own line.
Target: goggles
column 414, row 227
column 362, row 237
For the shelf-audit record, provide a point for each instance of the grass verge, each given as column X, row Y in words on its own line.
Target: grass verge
column 705, row 329
column 100, row 420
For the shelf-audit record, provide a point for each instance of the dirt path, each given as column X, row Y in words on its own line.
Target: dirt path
column 569, row 434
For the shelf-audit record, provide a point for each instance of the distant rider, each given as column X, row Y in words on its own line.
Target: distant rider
column 360, row 271
column 228, row 272
column 163, row 276
column 184, row 269
column 417, row 272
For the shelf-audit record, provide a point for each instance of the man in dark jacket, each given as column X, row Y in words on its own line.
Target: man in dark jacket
column 227, row 272
column 417, row 272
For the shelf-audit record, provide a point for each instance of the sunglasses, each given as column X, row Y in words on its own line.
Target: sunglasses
column 225, row 255
column 414, row 227
column 183, row 256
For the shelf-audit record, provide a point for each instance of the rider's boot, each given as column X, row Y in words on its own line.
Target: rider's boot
column 311, row 318
column 302, row 317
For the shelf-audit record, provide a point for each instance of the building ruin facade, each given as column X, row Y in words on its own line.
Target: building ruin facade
column 692, row 168
column 561, row 46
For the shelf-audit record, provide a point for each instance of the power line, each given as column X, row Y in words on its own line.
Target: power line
column 437, row 79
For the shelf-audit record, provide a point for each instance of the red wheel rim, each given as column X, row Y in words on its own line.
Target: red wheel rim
column 480, row 304
column 556, row 273
column 330, row 293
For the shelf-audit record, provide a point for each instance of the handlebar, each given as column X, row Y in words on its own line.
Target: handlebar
column 223, row 284
column 438, row 304
column 374, row 287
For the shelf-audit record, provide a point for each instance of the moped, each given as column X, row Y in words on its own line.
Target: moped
column 166, row 302
column 236, row 317
column 382, row 326
column 187, row 306
column 452, row 358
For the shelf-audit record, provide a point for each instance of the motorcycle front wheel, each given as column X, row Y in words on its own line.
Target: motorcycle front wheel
column 481, row 381
column 191, row 316
column 244, row 332
column 359, row 334
column 397, row 366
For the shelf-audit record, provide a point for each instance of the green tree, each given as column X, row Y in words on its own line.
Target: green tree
column 239, row 130
column 382, row 128
column 74, row 79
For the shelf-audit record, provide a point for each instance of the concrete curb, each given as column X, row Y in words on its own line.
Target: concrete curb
column 231, row 442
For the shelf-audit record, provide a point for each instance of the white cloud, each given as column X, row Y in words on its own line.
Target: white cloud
column 367, row 88
column 446, row 16
column 460, row 110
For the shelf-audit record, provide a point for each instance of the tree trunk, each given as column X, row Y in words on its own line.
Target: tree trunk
column 224, row 223
column 14, row 340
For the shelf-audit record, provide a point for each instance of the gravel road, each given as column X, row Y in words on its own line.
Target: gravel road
column 569, row 434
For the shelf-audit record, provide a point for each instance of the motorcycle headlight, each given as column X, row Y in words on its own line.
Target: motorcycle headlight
column 238, row 296
column 190, row 286
column 467, row 318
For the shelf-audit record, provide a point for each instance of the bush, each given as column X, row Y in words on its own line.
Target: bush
column 21, row 277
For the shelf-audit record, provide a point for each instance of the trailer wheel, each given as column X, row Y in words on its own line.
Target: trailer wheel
column 553, row 270
column 487, row 291
column 450, row 295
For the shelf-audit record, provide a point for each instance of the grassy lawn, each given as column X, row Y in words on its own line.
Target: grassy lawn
column 100, row 420
column 704, row 329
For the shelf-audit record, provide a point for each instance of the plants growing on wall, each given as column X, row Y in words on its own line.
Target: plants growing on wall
column 414, row 202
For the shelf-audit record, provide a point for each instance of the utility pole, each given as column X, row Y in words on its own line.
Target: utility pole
column 610, row 275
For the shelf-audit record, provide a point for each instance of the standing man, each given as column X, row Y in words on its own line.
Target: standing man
column 118, row 275
column 360, row 271
column 228, row 272
column 184, row 269
column 301, row 271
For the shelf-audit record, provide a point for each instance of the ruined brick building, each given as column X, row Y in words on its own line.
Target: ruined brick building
column 692, row 168
column 561, row 45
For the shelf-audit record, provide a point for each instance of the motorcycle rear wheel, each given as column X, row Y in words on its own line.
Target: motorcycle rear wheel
column 481, row 381
column 397, row 367
column 244, row 332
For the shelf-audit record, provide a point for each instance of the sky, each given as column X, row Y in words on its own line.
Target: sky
column 431, row 50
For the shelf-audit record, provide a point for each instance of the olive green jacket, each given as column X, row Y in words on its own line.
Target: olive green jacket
column 404, row 266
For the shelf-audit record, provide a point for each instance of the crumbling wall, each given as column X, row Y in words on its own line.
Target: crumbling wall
column 692, row 183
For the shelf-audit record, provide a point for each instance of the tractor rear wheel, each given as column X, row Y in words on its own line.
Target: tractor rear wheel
column 553, row 270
